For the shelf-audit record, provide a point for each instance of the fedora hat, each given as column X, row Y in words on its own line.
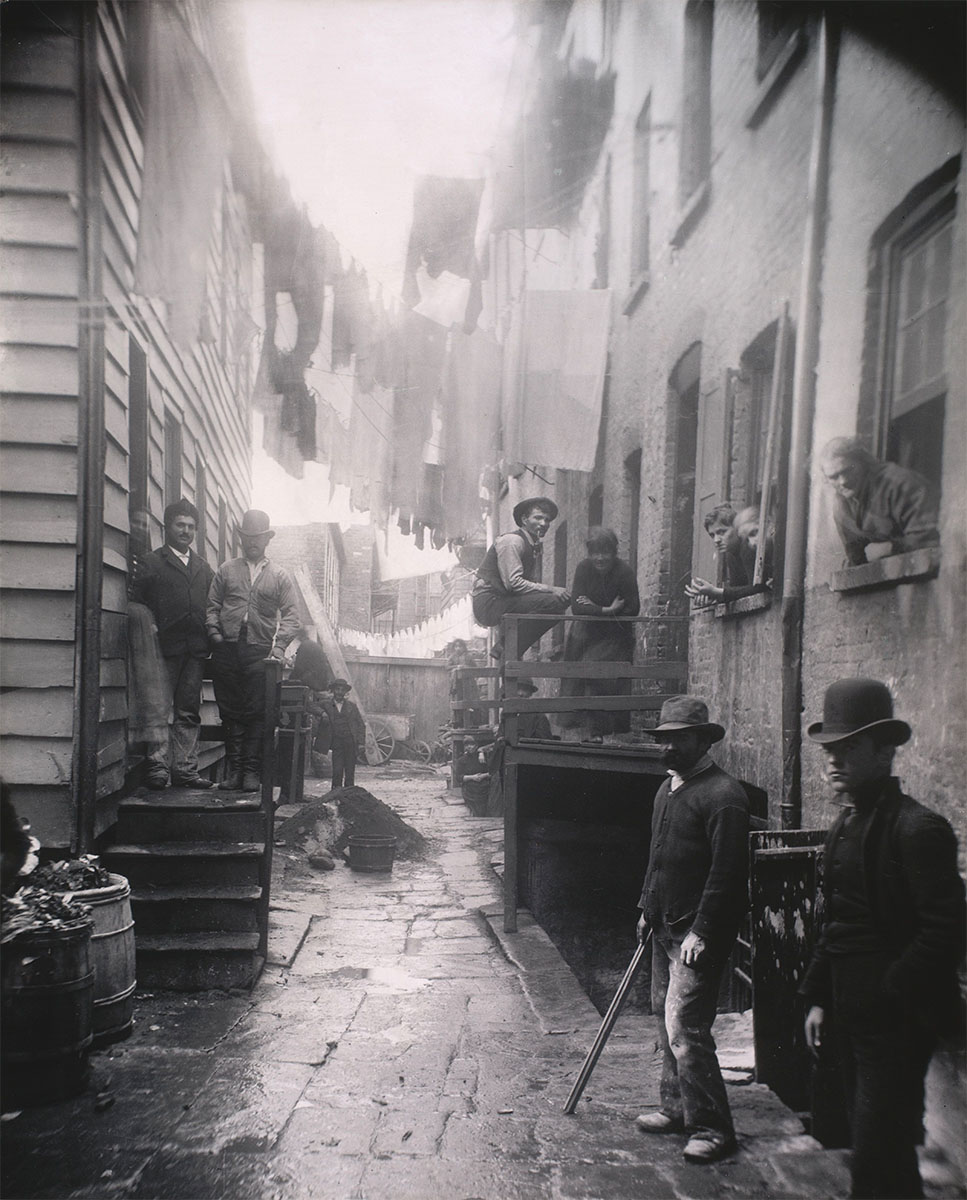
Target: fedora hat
column 527, row 684
column 524, row 506
column 853, row 706
column 255, row 522
column 687, row 712
column 340, row 683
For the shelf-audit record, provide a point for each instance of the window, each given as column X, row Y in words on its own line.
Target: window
column 778, row 22
column 632, row 505
column 596, row 506
column 173, row 457
column 683, row 400
column 201, row 503
column 222, row 530
column 696, row 146
column 136, row 19
column 904, row 380
column 641, row 195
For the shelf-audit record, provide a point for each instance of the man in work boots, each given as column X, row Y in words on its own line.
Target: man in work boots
column 252, row 616
column 509, row 578
column 173, row 582
column 694, row 896
column 885, row 965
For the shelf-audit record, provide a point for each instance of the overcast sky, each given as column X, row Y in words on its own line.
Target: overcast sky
column 357, row 98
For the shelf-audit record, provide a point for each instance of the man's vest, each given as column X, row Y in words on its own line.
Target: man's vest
column 489, row 575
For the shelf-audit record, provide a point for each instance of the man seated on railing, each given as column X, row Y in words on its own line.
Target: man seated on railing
column 509, row 578
column 604, row 586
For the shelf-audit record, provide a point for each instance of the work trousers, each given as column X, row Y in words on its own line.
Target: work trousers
column 183, row 677
column 684, row 1001
column 885, row 1056
column 343, row 760
column 238, row 673
column 489, row 609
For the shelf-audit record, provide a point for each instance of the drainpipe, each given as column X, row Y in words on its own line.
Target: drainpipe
column 803, row 407
column 90, row 450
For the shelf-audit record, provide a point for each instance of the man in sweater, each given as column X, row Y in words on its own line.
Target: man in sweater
column 885, row 964
column 509, row 578
column 252, row 615
column 172, row 582
column 694, row 896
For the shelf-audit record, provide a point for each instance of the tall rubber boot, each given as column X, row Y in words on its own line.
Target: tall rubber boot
column 252, row 758
column 233, row 755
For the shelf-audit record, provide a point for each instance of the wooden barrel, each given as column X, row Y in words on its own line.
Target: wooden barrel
column 372, row 853
column 112, row 959
column 47, row 1011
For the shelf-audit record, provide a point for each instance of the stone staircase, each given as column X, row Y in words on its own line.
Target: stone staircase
column 199, row 864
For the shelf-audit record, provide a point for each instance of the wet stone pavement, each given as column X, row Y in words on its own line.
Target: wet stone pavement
column 398, row 1046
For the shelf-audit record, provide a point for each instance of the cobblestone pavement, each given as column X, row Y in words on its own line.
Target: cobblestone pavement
column 397, row 1046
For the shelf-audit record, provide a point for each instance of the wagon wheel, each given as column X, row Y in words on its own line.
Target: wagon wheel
column 385, row 742
column 423, row 751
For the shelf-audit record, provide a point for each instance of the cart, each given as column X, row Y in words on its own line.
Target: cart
column 392, row 732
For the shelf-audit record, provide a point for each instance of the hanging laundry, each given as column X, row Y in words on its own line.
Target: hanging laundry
column 371, row 444
column 186, row 139
column 554, row 378
column 352, row 318
column 472, row 406
column 423, row 353
column 445, row 213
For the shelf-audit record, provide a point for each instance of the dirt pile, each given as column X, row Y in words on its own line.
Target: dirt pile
column 328, row 823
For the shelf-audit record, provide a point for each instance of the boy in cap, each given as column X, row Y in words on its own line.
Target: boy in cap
column 342, row 730
column 694, row 896
column 509, row 578
column 885, row 963
column 251, row 616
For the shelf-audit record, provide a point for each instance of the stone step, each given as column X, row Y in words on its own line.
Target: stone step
column 144, row 822
column 201, row 961
column 174, row 864
column 195, row 909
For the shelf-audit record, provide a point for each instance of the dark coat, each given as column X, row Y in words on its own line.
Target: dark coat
column 334, row 725
column 916, row 896
column 311, row 667
column 698, row 867
column 177, row 597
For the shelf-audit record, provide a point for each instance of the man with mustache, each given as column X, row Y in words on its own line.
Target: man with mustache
column 885, row 964
column 694, row 896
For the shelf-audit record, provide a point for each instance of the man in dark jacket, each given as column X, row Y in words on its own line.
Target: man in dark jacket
column 885, row 964
column 509, row 578
column 694, row 896
column 342, row 731
column 173, row 583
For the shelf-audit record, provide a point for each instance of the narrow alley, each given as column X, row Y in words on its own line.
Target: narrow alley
column 398, row 1044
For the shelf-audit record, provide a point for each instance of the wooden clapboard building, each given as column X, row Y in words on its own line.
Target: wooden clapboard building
column 129, row 209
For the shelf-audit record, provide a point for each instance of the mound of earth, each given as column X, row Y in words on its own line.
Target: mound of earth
column 329, row 821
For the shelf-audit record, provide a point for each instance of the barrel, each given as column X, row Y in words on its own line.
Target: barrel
column 112, row 959
column 372, row 852
column 47, row 1011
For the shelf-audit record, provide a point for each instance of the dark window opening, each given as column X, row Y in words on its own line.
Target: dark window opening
column 632, row 497
column 201, row 503
column 173, row 457
column 641, row 194
column 696, row 143
column 683, row 405
column 560, row 577
column 222, row 530
column 136, row 21
column 596, row 506
column 139, row 521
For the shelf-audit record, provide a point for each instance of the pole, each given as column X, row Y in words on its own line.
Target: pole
column 624, row 987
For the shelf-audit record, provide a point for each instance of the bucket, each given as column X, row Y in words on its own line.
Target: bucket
column 373, row 852
column 112, row 959
column 47, row 1003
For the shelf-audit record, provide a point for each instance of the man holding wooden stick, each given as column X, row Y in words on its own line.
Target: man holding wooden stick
column 694, row 896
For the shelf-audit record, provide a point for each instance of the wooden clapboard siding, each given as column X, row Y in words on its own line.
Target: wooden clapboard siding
column 38, row 420
column 50, row 520
column 26, row 614
column 35, row 713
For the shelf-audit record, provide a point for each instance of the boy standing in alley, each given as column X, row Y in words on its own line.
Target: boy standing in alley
column 342, row 731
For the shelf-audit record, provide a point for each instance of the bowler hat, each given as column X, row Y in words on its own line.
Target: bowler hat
column 524, row 506
column 340, row 683
column 853, row 706
column 255, row 522
column 680, row 713
column 527, row 684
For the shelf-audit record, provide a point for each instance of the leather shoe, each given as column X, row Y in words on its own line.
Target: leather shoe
column 251, row 782
column 157, row 781
column 192, row 781
column 659, row 1122
column 708, row 1146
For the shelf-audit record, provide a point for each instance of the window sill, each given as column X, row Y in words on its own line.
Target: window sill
column 695, row 206
column 638, row 288
column 775, row 79
column 898, row 568
column 746, row 604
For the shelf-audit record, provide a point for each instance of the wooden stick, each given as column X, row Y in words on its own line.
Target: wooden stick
column 607, row 1025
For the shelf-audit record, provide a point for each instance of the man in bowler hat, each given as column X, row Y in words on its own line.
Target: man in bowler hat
column 341, row 730
column 509, row 578
column 694, row 896
column 885, row 963
column 251, row 616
